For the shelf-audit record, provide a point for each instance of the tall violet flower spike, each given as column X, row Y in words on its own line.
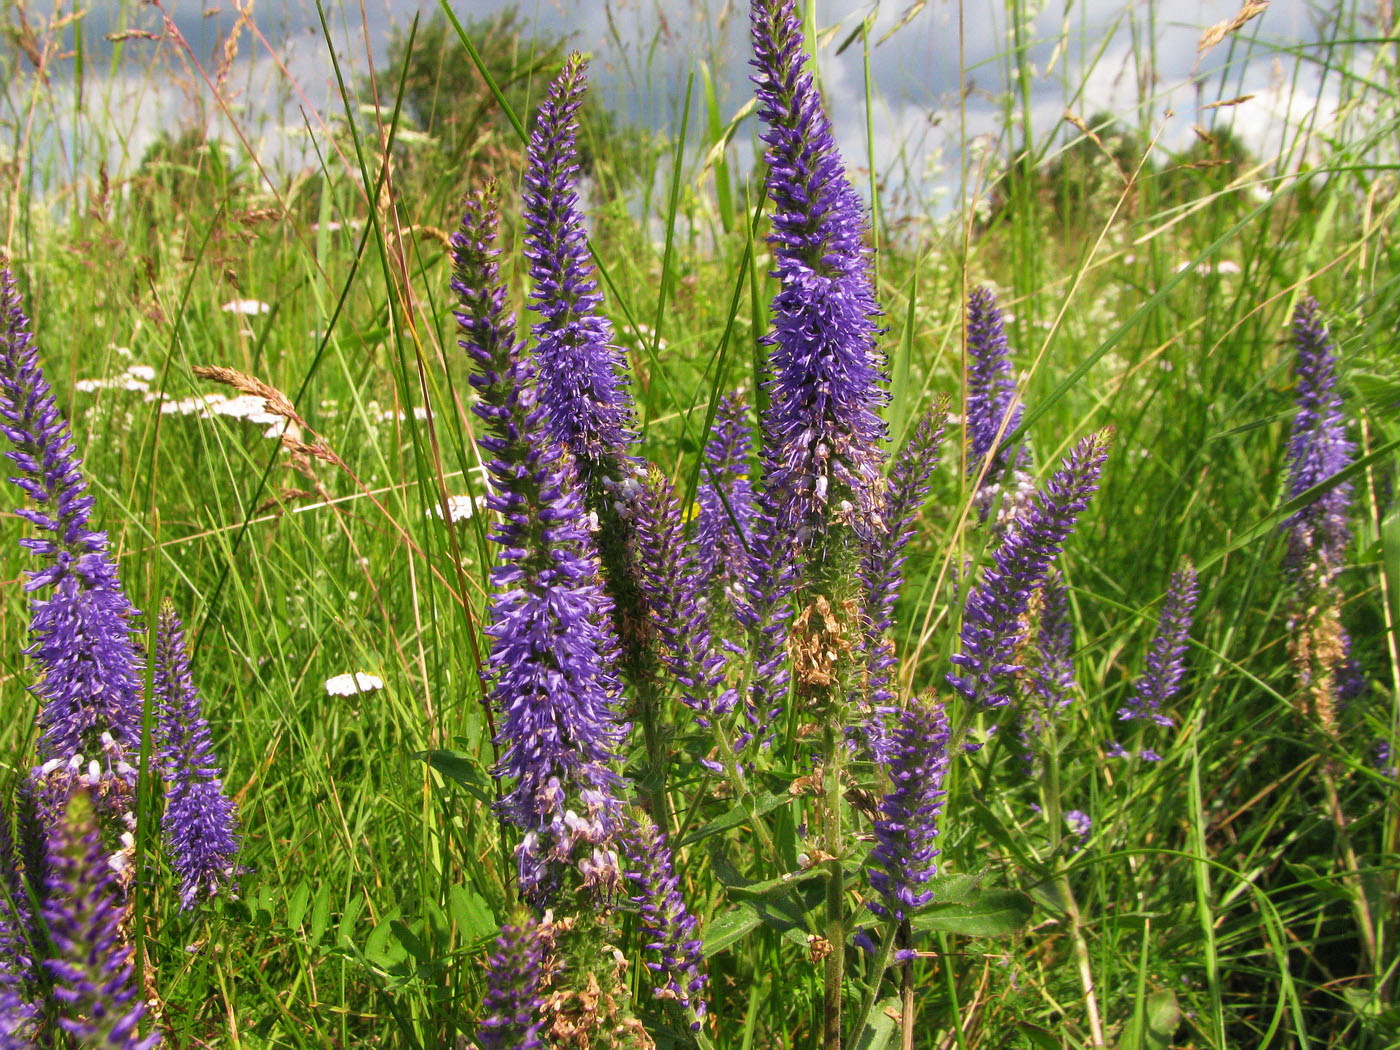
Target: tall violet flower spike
column 512, row 1009
column 907, row 827
column 668, row 927
column 89, row 668
column 553, row 650
column 91, row 966
column 18, row 1010
column 200, row 821
column 992, row 409
column 993, row 627
column 1161, row 677
column 1317, row 535
column 725, row 496
column 823, row 432
column 582, row 374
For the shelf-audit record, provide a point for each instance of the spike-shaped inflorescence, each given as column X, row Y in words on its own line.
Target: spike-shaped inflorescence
column 993, row 410
column 1165, row 668
column 675, row 604
column 823, row 432
column 668, row 927
column 89, row 682
column 91, row 970
column 200, row 821
column 724, row 521
column 903, row 860
column 552, row 653
column 511, row 1012
column 1318, row 448
column 883, row 560
column 582, row 374
column 993, row 622
column 18, row 1010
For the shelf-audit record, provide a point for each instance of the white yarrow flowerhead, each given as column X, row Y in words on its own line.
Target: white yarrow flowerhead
column 352, row 684
column 246, row 307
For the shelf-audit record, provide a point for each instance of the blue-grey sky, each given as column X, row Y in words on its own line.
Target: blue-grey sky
column 1087, row 56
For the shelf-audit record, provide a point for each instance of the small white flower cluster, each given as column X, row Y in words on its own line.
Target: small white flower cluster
column 353, row 684
column 459, row 508
column 246, row 307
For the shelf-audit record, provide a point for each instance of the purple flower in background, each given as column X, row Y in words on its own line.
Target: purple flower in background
column 1161, row 678
column 993, row 628
column 90, row 681
column 512, row 1015
column 766, row 611
column 993, row 410
column 675, row 606
column 822, row 430
column 1318, row 534
column 582, row 384
column 1050, row 671
column 1080, row 824
column 902, row 861
column 726, row 501
column 84, row 909
column 200, row 821
column 553, row 649
column 668, row 927
column 883, row 560
column 18, row 1011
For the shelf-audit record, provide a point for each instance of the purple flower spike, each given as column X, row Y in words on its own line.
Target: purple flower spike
column 993, row 628
column 676, row 608
column 992, row 409
column 512, row 1008
column 823, row 431
column 668, row 926
column 90, row 681
column 1162, row 676
column 582, row 375
column 91, row 967
column 907, row 827
column 725, row 495
column 18, row 1011
column 200, row 821
column 1318, row 534
column 553, row 649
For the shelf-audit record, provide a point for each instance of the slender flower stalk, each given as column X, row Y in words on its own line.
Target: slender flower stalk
column 1162, row 676
column 993, row 627
column 200, row 821
column 582, row 374
column 90, row 682
column 992, row 409
column 903, row 860
column 725, row 496
column 668, row 927
column 823, row 431
column 84, row 910
column 512, row 1009
column 553, row 649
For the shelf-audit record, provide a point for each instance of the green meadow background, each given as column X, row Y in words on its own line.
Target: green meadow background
column 1240, row 893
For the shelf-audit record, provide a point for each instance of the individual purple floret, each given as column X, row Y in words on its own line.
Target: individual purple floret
column 200, row 822
column 675, row 605
column 582, row 375
column 823, row 433
column 726, row 501
column 512, row 1008
column 993, row 628
column 993, row 411
column 1318, row 534
column 91, row 963
column 1080, row 824
column 1161, row 677
column 668, row 927
column 90, row 680
column 902, row 862
column 553, row 649
column 883, row 560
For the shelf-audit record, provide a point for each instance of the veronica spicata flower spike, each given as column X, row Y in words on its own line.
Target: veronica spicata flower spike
column 907, row 827
column 993, row 628
column 512, row 1010
column 992, row 409
column 1161, row 678
column 200, row 820
column 84, row 909
column 822, row 429
column 1050, row 674
column 18, row 1010
column 668, row 926
column 582, row 375
column 553, row 650
column 89, row 669
column 1317, row 449
column 725, row 496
